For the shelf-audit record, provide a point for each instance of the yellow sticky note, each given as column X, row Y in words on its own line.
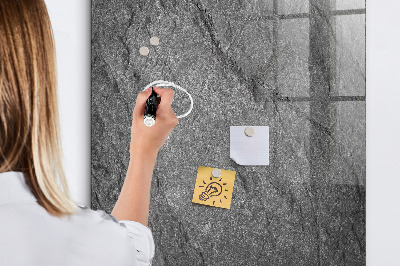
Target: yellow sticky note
column 213, row 191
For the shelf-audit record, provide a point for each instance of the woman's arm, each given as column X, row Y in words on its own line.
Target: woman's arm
column 134, row 199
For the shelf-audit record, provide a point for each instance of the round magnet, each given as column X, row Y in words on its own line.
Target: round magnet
column 249, row 131
column 144, row 51
column 154, row 41
column 216, row 172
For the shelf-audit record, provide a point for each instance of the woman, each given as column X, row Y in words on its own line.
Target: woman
column 40, row 223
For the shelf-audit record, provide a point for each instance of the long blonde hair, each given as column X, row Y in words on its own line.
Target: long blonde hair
column 29, row 118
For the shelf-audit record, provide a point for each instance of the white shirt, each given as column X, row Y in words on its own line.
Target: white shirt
column 31, row 236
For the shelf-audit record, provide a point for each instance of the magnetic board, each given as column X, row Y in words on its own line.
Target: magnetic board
column 297, row 67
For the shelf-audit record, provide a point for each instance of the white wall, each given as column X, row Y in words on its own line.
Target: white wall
column 71, row 26
column 71, row 23
column 383, row 132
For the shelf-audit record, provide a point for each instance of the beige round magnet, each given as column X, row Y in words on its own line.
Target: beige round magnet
column 144, row 51
column 249, row 131
column 154, row 41
column 216, row 172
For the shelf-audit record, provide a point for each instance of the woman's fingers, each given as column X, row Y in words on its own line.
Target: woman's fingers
column 167, row 95
column 164, row 106
column 141, row 99
column 159, row 90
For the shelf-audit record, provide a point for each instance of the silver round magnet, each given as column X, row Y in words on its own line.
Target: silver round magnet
column 144, row 51
column 154, row 41
column 249, row 131
column 216, row 172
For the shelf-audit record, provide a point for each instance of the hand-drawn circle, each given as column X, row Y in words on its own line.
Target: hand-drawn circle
column 163, row 83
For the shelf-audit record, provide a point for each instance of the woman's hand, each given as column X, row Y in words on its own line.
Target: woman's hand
column 134, row 199
column 148, row 140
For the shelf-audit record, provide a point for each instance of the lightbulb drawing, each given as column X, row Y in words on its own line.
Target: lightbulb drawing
column 213, row 189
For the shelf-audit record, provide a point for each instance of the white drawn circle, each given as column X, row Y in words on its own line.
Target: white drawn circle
column 163, row 83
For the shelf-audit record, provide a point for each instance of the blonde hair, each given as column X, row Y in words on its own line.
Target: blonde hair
column 29, row 118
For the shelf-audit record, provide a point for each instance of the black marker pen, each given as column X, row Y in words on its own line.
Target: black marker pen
column 150, row 109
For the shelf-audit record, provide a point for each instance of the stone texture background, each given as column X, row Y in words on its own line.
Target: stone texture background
column 245, row 63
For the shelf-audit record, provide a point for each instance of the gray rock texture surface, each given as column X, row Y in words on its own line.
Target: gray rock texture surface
column 295, row 66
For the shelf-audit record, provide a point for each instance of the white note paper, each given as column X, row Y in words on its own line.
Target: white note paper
column 246, row 150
